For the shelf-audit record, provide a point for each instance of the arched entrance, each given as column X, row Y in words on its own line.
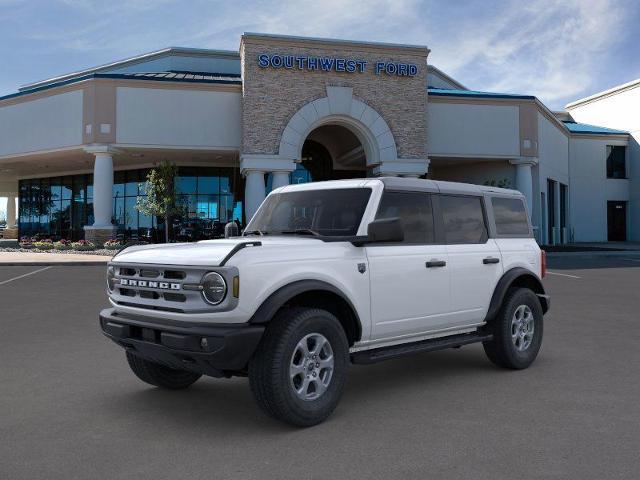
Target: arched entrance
column 332, row 152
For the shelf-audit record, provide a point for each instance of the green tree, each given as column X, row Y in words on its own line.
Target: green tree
column 160, row 199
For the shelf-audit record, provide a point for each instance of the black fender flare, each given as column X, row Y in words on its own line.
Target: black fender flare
column 280, row 297
column 507, row 280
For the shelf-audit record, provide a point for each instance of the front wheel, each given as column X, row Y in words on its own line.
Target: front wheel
column 298, row 373
column 517, row 330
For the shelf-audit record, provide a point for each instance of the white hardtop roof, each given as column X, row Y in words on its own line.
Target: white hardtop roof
column 400, row 183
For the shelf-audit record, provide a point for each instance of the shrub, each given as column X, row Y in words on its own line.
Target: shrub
column 62, row 245
column 46, row 244
column 26, row 242
column 83, row 245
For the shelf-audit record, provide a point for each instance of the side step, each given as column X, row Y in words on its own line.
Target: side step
column 430, row 345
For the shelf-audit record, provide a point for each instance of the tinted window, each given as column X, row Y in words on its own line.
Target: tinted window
column 335, row 212
column 510, row 216
column 463, row 219
column 616, row 162
column 414, row 209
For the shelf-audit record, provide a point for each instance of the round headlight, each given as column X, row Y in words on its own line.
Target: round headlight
column 111, row 274
column 214, row 288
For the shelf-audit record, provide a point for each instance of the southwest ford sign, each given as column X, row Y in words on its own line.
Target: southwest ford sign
column 335, row 64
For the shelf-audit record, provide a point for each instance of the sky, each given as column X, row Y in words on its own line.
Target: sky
column 557, row 50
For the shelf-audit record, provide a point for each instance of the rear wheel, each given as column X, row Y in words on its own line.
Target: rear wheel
column 298, row 373
column 517, row 330
column 159, row 375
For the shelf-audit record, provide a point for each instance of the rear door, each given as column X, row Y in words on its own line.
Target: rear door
column 474, row 258
column 410, row 284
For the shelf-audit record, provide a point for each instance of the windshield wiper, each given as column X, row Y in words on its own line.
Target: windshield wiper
column 301, row 231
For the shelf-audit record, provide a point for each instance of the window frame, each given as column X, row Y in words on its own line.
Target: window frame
column 438, row 239
column 485, row 217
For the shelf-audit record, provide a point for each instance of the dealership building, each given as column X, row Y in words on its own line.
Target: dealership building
column 75, row 149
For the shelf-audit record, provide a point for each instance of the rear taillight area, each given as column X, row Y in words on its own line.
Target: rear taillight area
column 543, row 263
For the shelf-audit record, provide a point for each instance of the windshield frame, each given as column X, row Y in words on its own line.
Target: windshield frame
column 374, row 188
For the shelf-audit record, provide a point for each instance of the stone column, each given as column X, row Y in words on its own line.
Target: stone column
column 254, row 192
column 524, row 179
column 102, row 228
column 280, row 179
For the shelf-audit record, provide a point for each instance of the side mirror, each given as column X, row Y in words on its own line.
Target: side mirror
column 385, row 230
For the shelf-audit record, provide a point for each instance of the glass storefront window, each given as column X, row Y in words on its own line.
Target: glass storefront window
column 59, row 207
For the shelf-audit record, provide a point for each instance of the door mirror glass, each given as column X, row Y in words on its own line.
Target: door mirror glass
column 385, row 230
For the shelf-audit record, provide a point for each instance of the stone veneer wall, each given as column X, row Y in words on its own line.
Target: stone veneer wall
column 272, row 96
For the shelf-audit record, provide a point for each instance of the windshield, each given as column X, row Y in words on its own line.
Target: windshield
column 335, row 212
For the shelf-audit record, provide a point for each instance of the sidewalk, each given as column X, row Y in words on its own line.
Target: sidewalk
column 37, row 259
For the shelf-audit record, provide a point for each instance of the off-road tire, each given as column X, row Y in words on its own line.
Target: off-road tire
column 159, row 375
column 501, row 349
column 269, row 368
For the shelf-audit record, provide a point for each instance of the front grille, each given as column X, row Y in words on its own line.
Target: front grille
column 159, row 288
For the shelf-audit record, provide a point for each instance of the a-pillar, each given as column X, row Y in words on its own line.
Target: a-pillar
column 102, row 228
column 524, row 178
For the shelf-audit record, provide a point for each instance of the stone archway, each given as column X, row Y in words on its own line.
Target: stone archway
column 339, row 107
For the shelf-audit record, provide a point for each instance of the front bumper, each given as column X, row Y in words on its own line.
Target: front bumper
column 214, row 350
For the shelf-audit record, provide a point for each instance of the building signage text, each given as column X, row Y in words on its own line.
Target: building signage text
column 334, row 64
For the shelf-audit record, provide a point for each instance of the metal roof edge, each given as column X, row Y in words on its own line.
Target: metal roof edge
column 605, row 93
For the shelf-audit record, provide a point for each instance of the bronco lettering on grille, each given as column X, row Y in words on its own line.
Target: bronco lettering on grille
column 149, row 284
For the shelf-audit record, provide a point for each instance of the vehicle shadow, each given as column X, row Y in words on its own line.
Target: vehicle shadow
column 228, row 405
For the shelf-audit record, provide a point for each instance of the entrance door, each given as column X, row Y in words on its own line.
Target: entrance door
column 617, row 221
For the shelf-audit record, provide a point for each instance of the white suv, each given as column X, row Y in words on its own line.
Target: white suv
column 332, row 273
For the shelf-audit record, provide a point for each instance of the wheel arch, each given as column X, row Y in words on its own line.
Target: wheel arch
column 516, row 277
column 314, row 294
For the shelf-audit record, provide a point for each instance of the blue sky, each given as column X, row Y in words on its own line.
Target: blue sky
column 557, row 50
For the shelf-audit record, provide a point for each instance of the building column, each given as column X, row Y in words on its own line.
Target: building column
column 254, row 192
column 11, row 212
column 280, row 179
column 102, row 228
column 524, row 179
column 253, row 167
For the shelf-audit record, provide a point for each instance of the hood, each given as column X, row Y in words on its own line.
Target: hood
column 206, row 253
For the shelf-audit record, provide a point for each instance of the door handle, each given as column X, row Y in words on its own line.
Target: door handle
column 436, row 263
column 490, row 260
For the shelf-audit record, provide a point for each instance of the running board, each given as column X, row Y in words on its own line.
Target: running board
column 433, row 344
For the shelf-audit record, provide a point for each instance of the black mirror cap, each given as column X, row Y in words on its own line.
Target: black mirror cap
column 385, row 230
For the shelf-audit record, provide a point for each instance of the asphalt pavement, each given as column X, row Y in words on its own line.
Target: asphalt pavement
column 71, row 409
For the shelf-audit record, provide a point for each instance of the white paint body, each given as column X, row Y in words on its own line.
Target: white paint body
column 396, row 298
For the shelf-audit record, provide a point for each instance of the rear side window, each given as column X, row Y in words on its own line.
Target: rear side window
column 463, row 219
column 510, row 216
column 414, row 209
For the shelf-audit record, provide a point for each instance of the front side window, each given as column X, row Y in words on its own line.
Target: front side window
column 463, row 219
column 616, row 167
column 414, row 210
column 510, row 216
column 336, row 212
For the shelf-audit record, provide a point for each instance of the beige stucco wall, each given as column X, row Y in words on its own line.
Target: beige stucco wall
column 272, row 96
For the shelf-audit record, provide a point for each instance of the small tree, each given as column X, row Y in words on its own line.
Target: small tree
column 161, row 200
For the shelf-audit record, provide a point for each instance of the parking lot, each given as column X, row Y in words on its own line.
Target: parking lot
column 71, row 409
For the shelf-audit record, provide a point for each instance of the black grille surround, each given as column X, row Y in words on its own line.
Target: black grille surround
column 162, row 287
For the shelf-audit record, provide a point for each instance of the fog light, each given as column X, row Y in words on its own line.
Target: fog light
column 111, row 281
column 204, row 343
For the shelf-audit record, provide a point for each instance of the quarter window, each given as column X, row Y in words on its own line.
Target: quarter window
column 463, row 219
column 414, row 209
column 510, row 216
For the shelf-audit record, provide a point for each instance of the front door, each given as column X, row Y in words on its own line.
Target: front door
column 617, row 221
column 410, row 283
